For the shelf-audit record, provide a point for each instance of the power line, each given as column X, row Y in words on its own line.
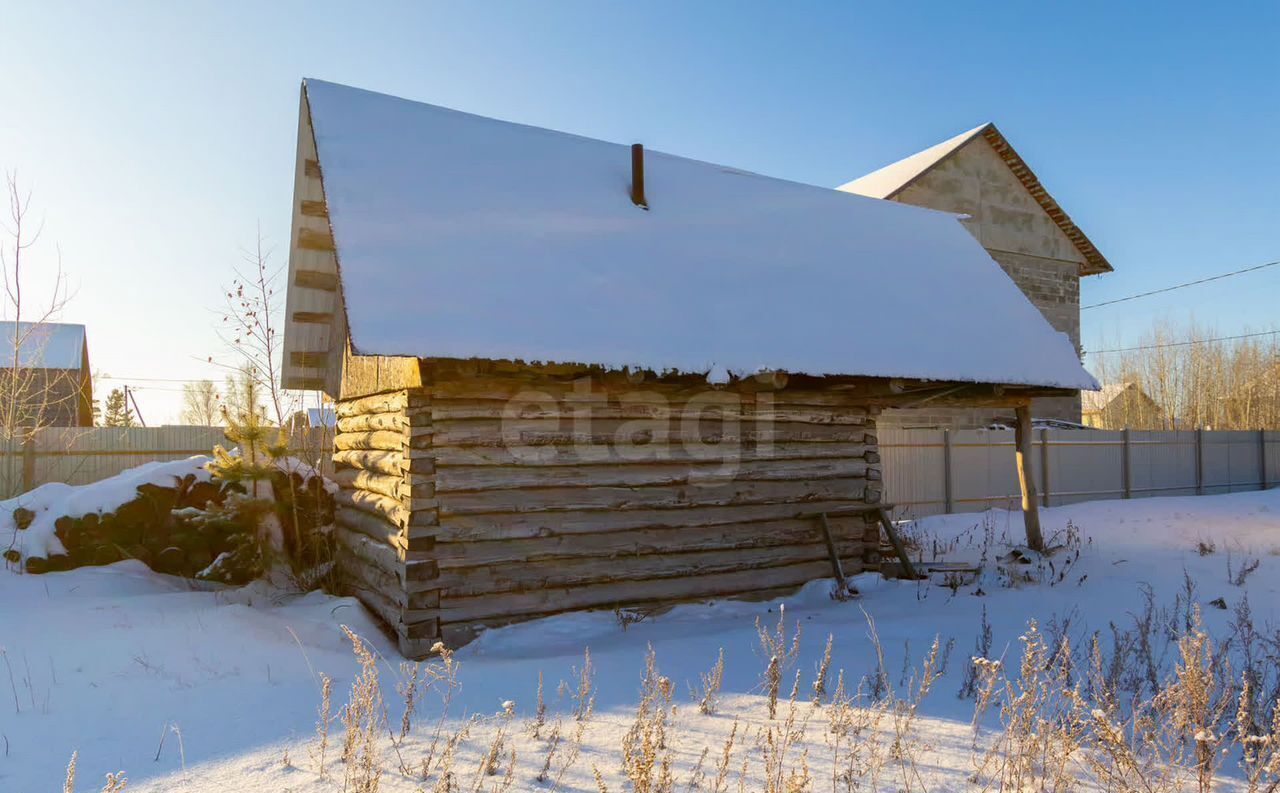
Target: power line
column 1182, row 286
column 1187, row 343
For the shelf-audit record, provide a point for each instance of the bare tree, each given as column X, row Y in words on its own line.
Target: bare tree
column 1194, row 378
column 201, row 403
column 32, row 393
column 250, row 329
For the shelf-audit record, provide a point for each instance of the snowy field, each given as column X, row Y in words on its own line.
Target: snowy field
column 211, row 689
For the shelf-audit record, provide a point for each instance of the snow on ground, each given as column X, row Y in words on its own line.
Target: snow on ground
column 203, row 688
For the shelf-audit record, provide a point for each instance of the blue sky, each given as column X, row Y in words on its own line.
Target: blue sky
column 158, row 138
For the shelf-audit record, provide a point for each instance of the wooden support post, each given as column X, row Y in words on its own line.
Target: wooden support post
column 1262, row 459
column 908, row 569
column 948, row 486
column 1199, row 462
column 1026, row 478
column 1126, row 462
column 842, row 584
column 1044, row 466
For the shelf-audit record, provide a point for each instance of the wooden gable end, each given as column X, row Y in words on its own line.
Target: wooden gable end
column 315, row 332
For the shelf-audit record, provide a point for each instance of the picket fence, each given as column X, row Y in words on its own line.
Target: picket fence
column 926, row 472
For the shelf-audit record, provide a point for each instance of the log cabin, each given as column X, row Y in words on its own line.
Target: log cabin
column 572, row 374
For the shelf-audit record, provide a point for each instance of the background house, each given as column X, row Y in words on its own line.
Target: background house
column 978, row 174
column 1121, row 406
column 44, row 375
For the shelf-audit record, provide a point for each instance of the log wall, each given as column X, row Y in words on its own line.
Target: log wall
column 386, row 513
column 511, row 500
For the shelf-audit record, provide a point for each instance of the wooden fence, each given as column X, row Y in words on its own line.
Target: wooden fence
column 79, row 455
column 926, row 472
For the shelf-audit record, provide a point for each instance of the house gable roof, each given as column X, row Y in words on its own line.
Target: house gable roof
column 43, row 345
column 889, row 181
column 459, row 236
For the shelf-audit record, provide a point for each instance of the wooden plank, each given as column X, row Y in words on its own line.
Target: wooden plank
column 313, row 209
column 312, row 317
column 316, row 279
column 908, row 570
column 523, row 525
column 415, row 575
column 309, row 360
column 311, row 168
column 837, row 570
column 735, row 492
column 312, row 240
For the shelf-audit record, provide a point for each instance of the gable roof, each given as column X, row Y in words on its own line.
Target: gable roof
column 1100, row 400
column 43, row 345
column 892, row 179
column 459, row 236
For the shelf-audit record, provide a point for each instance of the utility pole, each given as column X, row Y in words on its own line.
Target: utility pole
column 129, row 398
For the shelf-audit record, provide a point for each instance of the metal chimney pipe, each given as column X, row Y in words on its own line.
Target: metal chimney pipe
column 637, row 176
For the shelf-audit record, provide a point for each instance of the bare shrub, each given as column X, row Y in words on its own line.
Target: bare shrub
column 646, row 758
column 781, row 654
column 709, row 692
column 364, row 717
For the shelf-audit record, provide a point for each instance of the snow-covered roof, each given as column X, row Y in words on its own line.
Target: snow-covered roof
column 892, row 179
column 459, row 236
column 42, row 345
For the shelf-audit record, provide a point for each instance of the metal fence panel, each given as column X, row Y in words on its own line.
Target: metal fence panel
column 1163, row 463
column 1084, row 466
column 916, row 458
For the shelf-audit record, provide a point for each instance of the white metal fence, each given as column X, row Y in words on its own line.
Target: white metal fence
column 928, row 472
column 79, row 455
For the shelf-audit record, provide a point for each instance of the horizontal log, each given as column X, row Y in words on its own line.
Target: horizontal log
column 385, row 440
column 584, row 572
column 383, row 462
column 614, row 384
column 522, row 525
column 372, row 526
column 385, row 507
column 415, row 575
column 455, row 479
column 378, row 403
column 596, row 409
column 639, row 455
column 413, row 605
column 629, row 433
column 665, row 496
column 356, row 479
column 364, row 422
column 639, row 542
column 630, row 593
